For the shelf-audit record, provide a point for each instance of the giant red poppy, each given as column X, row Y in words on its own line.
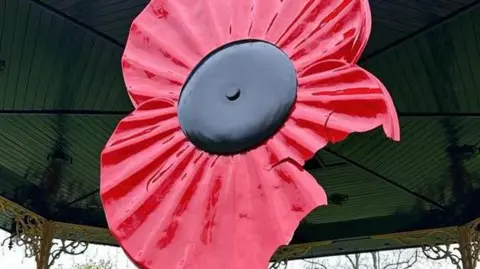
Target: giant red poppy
column 177, row 199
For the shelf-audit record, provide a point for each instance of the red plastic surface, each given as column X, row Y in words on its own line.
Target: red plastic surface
column 170, row 205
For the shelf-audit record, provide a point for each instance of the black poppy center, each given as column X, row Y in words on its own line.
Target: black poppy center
column 233, row 94
column 237, row 97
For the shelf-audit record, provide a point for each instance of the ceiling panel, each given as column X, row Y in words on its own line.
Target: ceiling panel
column 422, row 161
column 27, row 142
column 438, row 71
column 368, row 196
column 53, row 64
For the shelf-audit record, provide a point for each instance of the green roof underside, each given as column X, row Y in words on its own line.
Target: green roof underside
column 62, row 91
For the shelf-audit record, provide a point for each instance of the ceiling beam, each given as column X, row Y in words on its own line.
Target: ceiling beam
column 439, row 114
column 420, row 31
column 77, row 23
column 65, row 206
column 70, row 112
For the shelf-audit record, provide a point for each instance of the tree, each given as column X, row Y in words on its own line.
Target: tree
column 397, row 259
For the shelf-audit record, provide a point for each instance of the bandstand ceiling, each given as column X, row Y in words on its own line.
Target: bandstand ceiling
column 61, row 90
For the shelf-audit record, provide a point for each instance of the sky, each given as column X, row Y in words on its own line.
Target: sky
column 15, row 259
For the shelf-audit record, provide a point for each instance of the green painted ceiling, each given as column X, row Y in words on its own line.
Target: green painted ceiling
column 62, row 89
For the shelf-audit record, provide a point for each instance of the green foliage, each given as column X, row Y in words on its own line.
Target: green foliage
column 91, row 264
column 102, row 264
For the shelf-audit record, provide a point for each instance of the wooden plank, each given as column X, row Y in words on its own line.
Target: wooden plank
column 6, row 49
column 88, row 75
column 38, row 59
column 29, row 49
column 471, row 55
column 17, row 52
column 119, row 100
column 393, row 160
column 399, row 17
column 105, row 89
column 60, row 73
column 17, row 153
column 463, row 61
column 424, row 89
column 382, row 68
column 397, row 84
column 411, row 90
column 84, row 48
column 440, row 8
column 66, row 95
column 3, row 15
column 55, row 37
column 122, row 13
column 441, row 70
column 95, row 89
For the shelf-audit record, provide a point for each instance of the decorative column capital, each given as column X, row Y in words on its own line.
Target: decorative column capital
column 35, row 233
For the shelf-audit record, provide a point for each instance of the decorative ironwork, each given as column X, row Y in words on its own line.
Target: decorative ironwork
column 459, row 245
column 474, row 229
column 82, row 233
column 469, row 240
column 446, row 235
column 288, row 252
column 284, row 254
column 66, row 247
column 278, row 264
column 26, row 227
column 36, row 234
column 445, row 252
column 464, row 255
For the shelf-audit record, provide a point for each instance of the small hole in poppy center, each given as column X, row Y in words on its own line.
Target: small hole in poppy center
column 233, row 94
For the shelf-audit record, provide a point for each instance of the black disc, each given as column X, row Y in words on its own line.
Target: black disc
column 237, row 97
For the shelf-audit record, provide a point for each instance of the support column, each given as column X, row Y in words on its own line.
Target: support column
column 26, row 228
column 35, row 234
column 469, row 240
column 441, row 244
column 466, row 255
column 43, row 256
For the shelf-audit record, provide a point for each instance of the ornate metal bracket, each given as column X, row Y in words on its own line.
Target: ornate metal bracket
column 469, row 244
column 36, row 234
column 459, row 245
column 26, row 227
column 284, row 254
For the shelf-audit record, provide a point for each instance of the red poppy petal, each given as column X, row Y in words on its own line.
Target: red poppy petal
column 154, row 117
column 335, row 99
column 274, row 18
column 206, row 211
column 165, row 43
column 169, row 38
column 265, row 19
column 328, row 29
column 139, row 146
column 302, row 143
